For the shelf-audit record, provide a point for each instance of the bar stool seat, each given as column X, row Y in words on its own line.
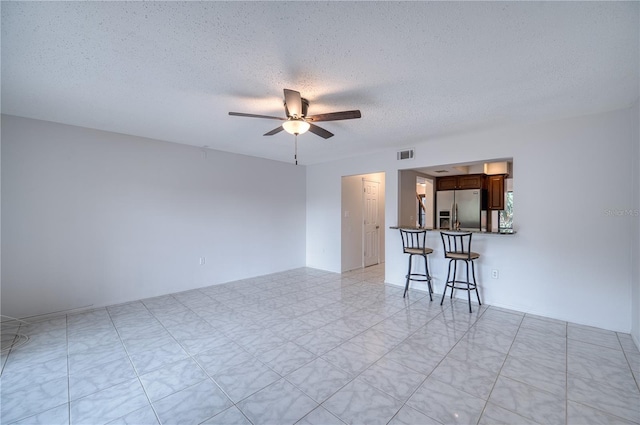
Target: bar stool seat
column 413, row 243
column 418, row 251
column 462, row 255
column 457, row 247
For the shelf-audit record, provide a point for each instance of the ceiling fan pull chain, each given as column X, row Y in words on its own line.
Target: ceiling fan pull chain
column 295, row 155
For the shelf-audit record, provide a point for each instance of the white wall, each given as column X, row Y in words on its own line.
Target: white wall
column 324, row 211
column 635, row 251
column 570, row 258
column 351, row 223
column 353, row 218
column 95, row 218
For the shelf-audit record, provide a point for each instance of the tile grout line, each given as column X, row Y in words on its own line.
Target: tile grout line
column 320, row 357
column 320, row 404
column 624, row 352
column 192, row 356
column 427, row 375
column 134, row 366
column 593, row 407
column 500, row 372
column 134, row 369
column 438, row 364
column 589, row 406
column 357, row 375
column 282, row 377
column 212, row 378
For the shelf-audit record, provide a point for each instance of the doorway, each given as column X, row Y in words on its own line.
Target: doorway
column 362, row 236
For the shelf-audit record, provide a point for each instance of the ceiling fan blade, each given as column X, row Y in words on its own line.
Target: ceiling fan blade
column 335, row 116
column 294, row 102
column 241, row 114
column 276, row 130
column 319, row 131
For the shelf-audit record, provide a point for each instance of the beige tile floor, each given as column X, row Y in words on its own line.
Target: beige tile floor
column 311, row 347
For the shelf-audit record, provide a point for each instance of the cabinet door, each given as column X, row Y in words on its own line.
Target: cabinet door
column 447, row 183
column 496, row 192
column 471, row 181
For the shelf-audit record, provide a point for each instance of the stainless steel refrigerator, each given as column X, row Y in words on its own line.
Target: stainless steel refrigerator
column 463, row 206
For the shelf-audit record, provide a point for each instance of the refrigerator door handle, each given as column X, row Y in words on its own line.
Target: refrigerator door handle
column 455, row 215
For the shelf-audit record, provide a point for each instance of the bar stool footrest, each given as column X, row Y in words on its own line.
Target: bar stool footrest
column 419, row 277
column 468, row 286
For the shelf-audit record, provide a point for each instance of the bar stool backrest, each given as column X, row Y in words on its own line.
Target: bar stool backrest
column 413, row 241
column 456, row 245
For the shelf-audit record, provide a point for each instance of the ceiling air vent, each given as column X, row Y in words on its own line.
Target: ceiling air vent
column 406, row 154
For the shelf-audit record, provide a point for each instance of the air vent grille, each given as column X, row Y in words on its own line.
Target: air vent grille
column 405, row 154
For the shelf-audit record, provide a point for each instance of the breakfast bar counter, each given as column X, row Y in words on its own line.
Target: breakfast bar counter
column 482, row 232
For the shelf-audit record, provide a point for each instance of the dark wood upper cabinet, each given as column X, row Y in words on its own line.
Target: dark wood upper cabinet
column 471, row 181
column 495, row 185
column 467, row 181
column 447, row 183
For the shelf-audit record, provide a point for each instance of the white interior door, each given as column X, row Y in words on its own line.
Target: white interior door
column 371, row 233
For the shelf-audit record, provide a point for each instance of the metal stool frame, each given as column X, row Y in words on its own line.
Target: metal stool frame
column 414, row 243
column 457, row 247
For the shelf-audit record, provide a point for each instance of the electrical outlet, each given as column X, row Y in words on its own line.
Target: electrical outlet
column 494, row 273
column 202, row 261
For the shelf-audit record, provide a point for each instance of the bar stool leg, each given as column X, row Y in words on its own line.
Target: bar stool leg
column 473, row 271
column 469, row 285
column 406, row 286
column 453, row 281
column 446, row 283
column 426, row 270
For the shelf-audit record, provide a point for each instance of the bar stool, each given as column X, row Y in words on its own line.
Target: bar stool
column 457, row 247
column 413, row 243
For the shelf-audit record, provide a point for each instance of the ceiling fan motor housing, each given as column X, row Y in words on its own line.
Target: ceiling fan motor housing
column 305, row 107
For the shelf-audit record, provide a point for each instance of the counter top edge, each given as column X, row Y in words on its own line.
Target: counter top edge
column 430, row 229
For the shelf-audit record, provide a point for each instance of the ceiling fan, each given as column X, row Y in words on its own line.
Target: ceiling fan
column 297, row 120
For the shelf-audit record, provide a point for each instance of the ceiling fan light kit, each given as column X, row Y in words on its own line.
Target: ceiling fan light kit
column 296, row 126
column 297, row 121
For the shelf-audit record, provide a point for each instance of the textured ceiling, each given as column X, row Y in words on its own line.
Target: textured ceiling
column 172, row 70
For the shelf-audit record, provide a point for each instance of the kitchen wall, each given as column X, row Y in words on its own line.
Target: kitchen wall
column 570, row 259
column 95, row 218
column 407, row 201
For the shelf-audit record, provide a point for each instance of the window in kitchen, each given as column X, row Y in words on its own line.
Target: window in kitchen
column 506, row 215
